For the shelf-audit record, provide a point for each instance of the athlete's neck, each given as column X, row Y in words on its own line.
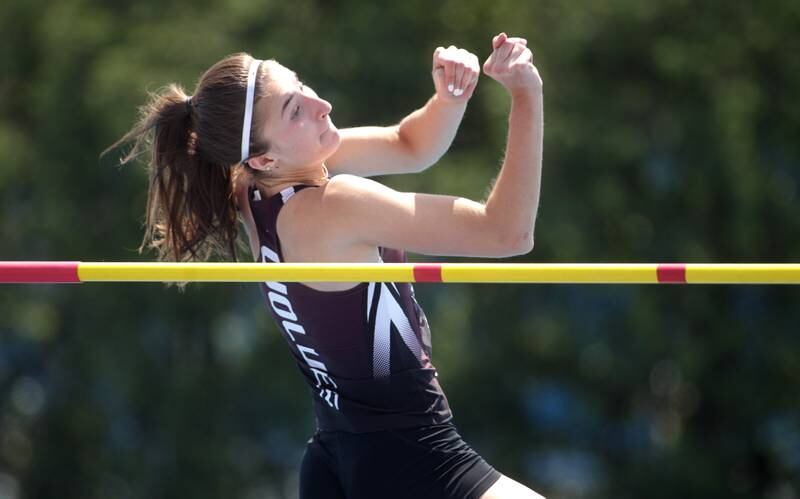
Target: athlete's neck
column 278, row 180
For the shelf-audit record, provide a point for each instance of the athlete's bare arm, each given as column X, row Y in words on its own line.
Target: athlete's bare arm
column 423, row 136
column 361, row 211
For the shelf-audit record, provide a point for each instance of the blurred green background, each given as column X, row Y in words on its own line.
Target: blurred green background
column 671, row 136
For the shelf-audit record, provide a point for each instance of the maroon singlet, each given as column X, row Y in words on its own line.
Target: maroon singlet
column 365, row 352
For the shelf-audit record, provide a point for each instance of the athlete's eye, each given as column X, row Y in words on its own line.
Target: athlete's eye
column 296, row 112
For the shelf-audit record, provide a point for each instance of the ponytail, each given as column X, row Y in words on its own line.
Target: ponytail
column 195, row 143
column 190, row 215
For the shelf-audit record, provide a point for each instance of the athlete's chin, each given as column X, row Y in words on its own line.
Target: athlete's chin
column 330, row 140
column 330, row 135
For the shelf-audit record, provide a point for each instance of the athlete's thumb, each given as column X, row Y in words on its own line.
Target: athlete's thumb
column 498, row 40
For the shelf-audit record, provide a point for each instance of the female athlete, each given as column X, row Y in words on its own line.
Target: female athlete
column 257, row 146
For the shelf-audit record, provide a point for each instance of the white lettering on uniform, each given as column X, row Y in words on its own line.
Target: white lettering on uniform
column 279, row 301
column 291, row 326
column 285, row 310
column 311, row 362
column 322, row 377
column 276, row 286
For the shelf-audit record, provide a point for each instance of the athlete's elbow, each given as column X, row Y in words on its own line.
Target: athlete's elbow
column 417, row 157
column 418, row 165
column 423, row 161
column 522, row 245
column 516, row 244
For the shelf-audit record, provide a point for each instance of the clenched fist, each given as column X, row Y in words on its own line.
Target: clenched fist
column 455, row 73
column 511, row 64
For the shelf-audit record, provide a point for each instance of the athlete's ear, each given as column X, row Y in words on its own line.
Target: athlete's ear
column 261, row 162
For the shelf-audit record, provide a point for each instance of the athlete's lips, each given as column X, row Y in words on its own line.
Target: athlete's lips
column 330, row 128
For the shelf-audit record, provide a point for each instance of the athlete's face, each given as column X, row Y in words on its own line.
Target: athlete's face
column 298, row 127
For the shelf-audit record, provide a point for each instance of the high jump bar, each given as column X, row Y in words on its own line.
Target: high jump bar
column 542, row 273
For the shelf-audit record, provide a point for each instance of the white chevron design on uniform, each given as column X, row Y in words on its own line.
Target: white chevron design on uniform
column 389, row 312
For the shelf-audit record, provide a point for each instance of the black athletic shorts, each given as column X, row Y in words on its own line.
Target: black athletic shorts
column 430, row 462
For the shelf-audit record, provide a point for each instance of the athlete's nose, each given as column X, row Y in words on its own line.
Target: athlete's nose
column 325, row 108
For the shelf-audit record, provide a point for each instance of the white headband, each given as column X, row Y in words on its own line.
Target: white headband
column 248, row 107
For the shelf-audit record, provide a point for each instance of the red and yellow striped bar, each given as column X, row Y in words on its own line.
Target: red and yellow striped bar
column 39, row 272
column 542, row 273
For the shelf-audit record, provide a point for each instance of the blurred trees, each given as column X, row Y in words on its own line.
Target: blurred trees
column 671, row 135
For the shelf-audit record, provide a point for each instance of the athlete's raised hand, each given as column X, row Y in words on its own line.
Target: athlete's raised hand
column 455, row 73
column 511, row 64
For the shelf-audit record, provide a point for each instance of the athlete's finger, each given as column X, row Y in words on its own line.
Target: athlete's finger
column 518, row 49
column 449, row 75
column 476, row 65
column 516, row 39
column 436, row 54
column 513, row 55
column 458, row 75
column 470, row 87
column 498, row 40
column 438, row 77
column 467, row 60
column 504, row 51
column 487, row 64
column 473, row 70
column 525, row 57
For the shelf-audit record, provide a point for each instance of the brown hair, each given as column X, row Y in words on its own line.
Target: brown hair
column 195, row 162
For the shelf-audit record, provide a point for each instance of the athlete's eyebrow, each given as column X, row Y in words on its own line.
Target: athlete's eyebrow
column 286, row 103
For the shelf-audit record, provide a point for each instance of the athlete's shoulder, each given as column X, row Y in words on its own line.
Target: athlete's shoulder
column 347, row 191
column 345, row 184
column 322, row 208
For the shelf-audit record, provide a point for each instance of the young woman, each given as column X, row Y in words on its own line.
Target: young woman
column 254, row 144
